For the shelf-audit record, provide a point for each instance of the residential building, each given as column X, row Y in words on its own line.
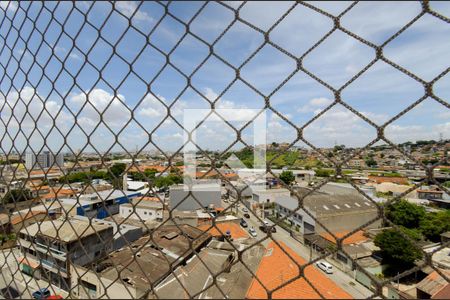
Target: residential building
column 430, row 194
column 7, row 186
column 433, row 285
column 277, row 268
column 49, row 248
column 129, row 273
column 5, row 224
column 356, row 163
column 123, row 234
column 233, row 275
column 201, row 194
column 23, row 219
column 231, row 229
column 43, row 160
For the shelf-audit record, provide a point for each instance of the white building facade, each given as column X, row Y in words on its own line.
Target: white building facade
column 44, row 160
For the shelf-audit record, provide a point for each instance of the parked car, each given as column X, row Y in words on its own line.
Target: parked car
column 43, row 293
column 247, row 215
column 324, row 266
column 265, row 228
column 252, row 232
column 225, row 200
column 244, row 223
column 245, row 209
column 266, row 223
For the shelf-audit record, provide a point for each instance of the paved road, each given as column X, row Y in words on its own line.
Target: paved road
column 345, row 281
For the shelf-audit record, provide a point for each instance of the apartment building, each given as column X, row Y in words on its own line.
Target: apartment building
column 49, row 248
column 43, row 160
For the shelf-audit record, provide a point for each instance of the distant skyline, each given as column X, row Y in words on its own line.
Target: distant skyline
column 379, row 94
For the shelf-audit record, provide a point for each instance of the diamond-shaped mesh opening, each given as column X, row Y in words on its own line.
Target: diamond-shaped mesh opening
column 315, row 166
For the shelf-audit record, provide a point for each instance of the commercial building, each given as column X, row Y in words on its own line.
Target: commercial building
column 329, row 210
column 270, row 195
column 49, row 248
column 43, row 160
column 143, row 210
column 98, row 205
column 206, row 194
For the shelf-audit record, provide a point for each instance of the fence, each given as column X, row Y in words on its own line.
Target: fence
column 83, row 81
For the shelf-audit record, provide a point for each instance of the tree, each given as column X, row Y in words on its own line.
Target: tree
column 370, row 162
column 434, row 224
column 17, row 195
column 397, row 251
column 405, row 214
column 287, row 177
column 447, row 184
column 323, row 173
column 117, row 169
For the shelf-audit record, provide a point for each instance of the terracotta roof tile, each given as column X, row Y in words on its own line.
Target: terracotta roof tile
column 356, row 238
column 22, row 217
column 235, row 230
column 277, row 268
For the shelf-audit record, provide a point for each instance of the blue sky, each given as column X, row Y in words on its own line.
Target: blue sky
column 57, row 49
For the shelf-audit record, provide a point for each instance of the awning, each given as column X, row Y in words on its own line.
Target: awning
column 29, row 262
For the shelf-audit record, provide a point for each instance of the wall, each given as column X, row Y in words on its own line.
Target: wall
column 93, row 246
column 205, row 197
column 141, row 213
column 105, row 288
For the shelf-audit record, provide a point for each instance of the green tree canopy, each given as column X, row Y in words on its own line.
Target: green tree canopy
column 287, row 177
column 323, row 173
column 17, row 195
column 396, row 250
column 433, row 224
column 117, row 169
column 405, row 214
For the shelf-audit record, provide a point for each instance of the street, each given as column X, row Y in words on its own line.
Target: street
column 345, row 281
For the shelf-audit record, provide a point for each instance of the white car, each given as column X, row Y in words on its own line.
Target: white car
column 266, row 223
column 324, row 266
column 252, row 232
column 245, row 209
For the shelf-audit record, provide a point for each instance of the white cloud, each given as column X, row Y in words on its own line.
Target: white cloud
column 128, row 8
column 152, row 107
column 339, row 125
column 75, row 56
column 98, row 101
column 322, row 101
column 313, row 104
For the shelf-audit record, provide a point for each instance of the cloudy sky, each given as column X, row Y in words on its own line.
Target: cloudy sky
column 65, row 67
